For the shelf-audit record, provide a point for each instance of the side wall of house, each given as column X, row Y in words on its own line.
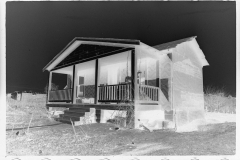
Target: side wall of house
column 188, row 96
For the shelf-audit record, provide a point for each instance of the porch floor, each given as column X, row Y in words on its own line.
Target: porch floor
column 96, row 106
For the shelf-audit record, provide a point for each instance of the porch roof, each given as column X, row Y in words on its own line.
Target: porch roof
column 74, row 45
column 124, row 43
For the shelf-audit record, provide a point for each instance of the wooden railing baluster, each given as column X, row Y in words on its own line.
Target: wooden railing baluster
column 123, row 93
column 115, row 93
column 148, row 93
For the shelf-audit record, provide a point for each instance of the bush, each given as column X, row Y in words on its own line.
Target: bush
column 53, row 87
column 217, row 100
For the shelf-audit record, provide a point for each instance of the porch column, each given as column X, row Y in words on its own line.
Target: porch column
column 73, row 85
column 133, row 74
column 146, row 72
column 158, row 79
column 96, row 82
column 157, row 73
column 134, row 87
column 49, row 86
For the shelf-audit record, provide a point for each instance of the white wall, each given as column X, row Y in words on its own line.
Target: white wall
column 188, row 96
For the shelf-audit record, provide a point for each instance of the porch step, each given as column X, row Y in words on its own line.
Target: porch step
column 73, row 118
column 74, row 113
column 75, row 123
column 68, row 117
column 80, row 116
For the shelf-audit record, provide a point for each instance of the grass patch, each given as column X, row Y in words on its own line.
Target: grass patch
column 101, row 139
column 22, row 114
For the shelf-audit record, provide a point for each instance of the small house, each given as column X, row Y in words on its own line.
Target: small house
column 9, row 95
column 158, row 86
column 16, row 95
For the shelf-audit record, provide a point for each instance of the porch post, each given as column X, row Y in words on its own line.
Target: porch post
column 96, row 82
column 146, row 72
column 49, row 86
column 133, row 72
column 136, row 85
column 158, row 79
column 73, row 86
column 157, row 73
column 135, row 91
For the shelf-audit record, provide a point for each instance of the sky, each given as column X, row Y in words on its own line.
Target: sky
column 37, row 31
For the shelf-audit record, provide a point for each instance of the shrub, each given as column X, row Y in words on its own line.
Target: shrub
column 217, row 100
column 53, row 87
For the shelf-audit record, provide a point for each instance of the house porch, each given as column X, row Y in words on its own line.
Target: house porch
column 112, row 80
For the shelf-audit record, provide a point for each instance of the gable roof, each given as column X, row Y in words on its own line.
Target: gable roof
column 200, row 55
column 76, row 42
column 172, row 44
column 90, row 39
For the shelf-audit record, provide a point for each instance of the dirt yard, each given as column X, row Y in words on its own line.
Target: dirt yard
column 105, row 139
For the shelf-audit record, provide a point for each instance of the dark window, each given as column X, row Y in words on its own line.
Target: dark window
column 164, row 87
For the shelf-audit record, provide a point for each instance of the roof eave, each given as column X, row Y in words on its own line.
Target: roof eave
column 54, row 58
column 110, row 40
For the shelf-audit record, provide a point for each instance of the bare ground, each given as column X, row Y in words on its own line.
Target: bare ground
column 103, row 139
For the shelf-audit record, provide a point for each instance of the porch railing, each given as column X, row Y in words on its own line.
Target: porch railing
column 115, row 93
column 64, row 95
column 148, row 93
column 123, row 93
